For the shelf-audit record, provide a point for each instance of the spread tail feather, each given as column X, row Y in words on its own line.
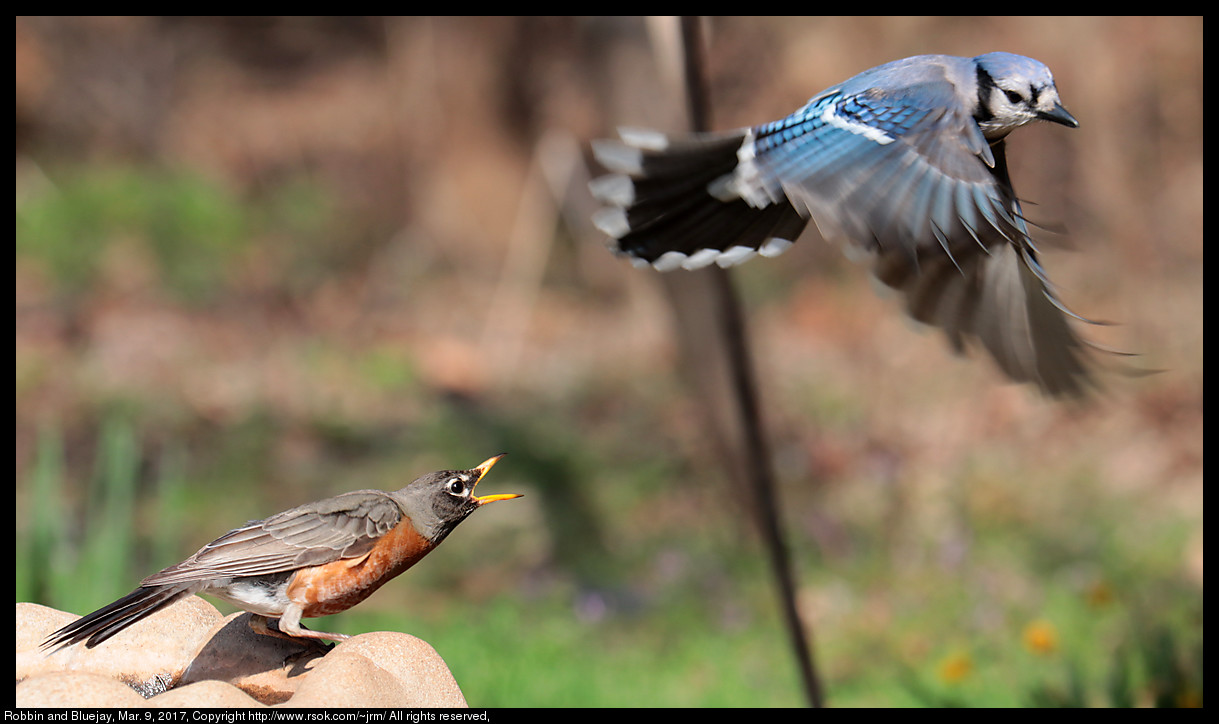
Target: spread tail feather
column 672, row 204
column 109, row 620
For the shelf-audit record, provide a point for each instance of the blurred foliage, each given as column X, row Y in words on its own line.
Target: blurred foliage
column 193, row 230
column 695, row 613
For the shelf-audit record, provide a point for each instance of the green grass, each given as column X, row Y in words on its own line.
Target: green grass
column 627, row 576
column 688, row 618
column 193, row 235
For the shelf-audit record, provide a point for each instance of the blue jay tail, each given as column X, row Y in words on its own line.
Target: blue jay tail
column 905, row 165
column 664, row 212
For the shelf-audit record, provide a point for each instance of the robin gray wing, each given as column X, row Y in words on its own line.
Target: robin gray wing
column 345, row 526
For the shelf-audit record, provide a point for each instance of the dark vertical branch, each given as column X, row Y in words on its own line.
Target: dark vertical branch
column 755, row 460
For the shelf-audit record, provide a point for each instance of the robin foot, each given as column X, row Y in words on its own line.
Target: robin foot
column 314, row 560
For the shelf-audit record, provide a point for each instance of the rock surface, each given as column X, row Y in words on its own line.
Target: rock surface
column 190, row 655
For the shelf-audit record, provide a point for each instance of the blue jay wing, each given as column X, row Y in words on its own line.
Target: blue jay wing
column 1002, row 298
column 883, row 173
column 917, row 186
column 1003, row 301
column 893, row 162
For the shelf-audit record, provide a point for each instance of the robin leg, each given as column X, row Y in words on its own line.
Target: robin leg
column 290, row 624
column 261, row 625
column 311, row 647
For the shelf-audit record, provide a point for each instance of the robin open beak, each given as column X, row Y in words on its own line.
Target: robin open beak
column 483, row 469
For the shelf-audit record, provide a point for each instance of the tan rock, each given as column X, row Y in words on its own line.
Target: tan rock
column 150, row 656
column 75, row 690
column 409, row 674
column 205, row 694
column 189, row 655
column 267, row 668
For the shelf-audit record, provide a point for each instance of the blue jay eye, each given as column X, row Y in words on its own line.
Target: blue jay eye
column 883, row 162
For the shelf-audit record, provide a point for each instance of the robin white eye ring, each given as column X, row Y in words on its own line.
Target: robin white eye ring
column 289, row 577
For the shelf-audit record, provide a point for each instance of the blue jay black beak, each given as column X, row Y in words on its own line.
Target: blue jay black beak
column 1058, row 114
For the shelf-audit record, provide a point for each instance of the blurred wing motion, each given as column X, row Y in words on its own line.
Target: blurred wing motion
column 904, row 164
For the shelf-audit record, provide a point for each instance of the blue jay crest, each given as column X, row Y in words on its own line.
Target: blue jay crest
column 903, row 163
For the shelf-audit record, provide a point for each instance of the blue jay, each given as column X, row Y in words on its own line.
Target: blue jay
column 904, row 163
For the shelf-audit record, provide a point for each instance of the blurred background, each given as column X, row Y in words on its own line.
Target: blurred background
column 262, row 261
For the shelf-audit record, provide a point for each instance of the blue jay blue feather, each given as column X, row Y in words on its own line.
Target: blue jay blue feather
column 905, row 165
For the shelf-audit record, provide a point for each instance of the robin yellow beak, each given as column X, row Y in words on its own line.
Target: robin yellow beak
column 483, row 469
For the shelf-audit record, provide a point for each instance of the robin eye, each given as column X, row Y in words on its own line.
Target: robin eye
column 456, row 486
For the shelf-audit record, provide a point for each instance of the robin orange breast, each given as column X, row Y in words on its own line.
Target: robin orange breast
column 314, row 560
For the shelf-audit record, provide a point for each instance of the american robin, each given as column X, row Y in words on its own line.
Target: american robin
column 314, row 560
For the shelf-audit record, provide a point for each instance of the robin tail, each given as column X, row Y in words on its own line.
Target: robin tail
column 106, row 622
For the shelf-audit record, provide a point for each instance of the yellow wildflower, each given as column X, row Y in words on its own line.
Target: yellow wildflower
column 955, row 667
column 1041, row 637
